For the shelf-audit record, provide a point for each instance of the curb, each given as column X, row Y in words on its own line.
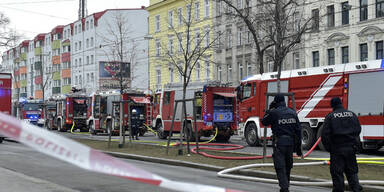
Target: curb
column 263, row 174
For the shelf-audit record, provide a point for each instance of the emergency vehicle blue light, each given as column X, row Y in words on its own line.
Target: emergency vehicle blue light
column 345, row 85
column 382, row 63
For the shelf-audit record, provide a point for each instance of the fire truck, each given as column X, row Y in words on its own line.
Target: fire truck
column 104, row 112
column 215, row 107
column 32, row 111
column 72, row 111
column 359, row 85
column 5, row 95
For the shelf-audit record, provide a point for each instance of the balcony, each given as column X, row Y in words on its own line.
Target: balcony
column 66, row 89
column 56, row 44
column 56, row 60
column 66, row 57
column 66, row 73
column 23, row 56
column 38, row 65
column 37, row 51
column 56, row 90
column 38, row 80
column 23, row 83
column 56, row 76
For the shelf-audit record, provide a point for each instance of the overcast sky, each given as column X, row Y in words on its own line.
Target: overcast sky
column 31, row 17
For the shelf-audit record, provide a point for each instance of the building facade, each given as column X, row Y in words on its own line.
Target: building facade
column 73, row 55
column 168, row 29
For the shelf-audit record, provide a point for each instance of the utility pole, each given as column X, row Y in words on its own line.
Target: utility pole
column 83, row 12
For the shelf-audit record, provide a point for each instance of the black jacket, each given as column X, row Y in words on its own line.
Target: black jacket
column 284, row 123
column 341, row 129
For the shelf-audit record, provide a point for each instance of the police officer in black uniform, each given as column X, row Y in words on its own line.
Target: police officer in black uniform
column 286, row 132
column 340, row 137
column 135, row 124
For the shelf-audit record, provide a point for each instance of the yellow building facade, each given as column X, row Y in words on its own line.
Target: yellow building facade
column 167, row 21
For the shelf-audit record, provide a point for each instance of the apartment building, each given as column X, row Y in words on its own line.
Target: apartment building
column 168, row 32
column 79, row 55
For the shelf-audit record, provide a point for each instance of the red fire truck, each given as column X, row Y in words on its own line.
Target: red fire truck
column 32, row 111
column 358, row 84
column 215, row 108
column 72, row 110
column 104, row 112
column 5, row 94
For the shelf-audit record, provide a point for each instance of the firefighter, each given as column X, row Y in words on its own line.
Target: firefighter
column 285, row 129
column 340, row 137
column 135, row 124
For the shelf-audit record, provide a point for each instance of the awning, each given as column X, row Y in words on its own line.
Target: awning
column 225, row 94
column 144, row 100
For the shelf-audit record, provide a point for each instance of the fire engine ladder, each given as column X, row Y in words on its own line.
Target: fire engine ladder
column 148, row 114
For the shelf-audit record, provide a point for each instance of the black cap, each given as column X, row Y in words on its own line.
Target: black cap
column 335, row 102
column 279, row 98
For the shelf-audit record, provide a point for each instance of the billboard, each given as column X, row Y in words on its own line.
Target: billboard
column 111, row 70
column 109, row 73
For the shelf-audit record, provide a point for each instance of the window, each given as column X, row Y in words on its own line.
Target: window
column 207, row 69
column 91, row 23
column 331, row 56
column 379, row 50
column 345, row 13
column 241, row 72
column 315, row 59
column 197, row 38
column 197, row 11
column 219, row 41
column 92, row 77
column 219, row 73
column 67, row 81
column 80, row 80
column 171, row 75
column 87, row 60
column 229, row 38
column 91, row 41
column 180, row 38
column 296, row 60
column 249, row 68
column 206, row 37
column 157, row 23
column 79, row 45
column 315, row 19
column 88, row 77
column 331, row 16
column 218, row 8
column 206, row 10
column 240, row 36
column 345, row 54
column 180, row 16
column 239, row 4
column 80, row 62
column 76, row 46
column 92, row 59
column 75, row 63
column 158, row 76
column 379, row 8
column 188, row 12
column 170, row 46
column 197, row 70
column 87, row 43
column 158, row 47
column 363, row 52
column 247, row 90
column 87, row 25
column 170, row 19
column 76, row 80
column 363, row 10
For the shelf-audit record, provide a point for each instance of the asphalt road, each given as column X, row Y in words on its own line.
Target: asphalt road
column 23, row 169
column 234, row 140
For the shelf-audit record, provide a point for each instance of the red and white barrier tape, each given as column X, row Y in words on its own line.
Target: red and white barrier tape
column 87, row 158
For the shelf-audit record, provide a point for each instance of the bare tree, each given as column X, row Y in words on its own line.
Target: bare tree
column 119, row 47
column 194, row 46
column 277, row 26
column 8, row 37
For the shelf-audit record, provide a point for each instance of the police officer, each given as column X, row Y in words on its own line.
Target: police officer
column 286, row 129
column 135, row 124
column 340, row 137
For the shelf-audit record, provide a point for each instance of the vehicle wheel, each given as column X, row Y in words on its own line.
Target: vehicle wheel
column 1, row 139
column 319, row 132
column 308, row 136
column 59, row 127
column 251, row 135
column 91, row 129
column 160, row 131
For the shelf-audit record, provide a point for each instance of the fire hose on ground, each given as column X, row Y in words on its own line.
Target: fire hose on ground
column 323, row 161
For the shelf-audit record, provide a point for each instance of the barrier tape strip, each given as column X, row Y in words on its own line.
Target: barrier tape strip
column 87, row 158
